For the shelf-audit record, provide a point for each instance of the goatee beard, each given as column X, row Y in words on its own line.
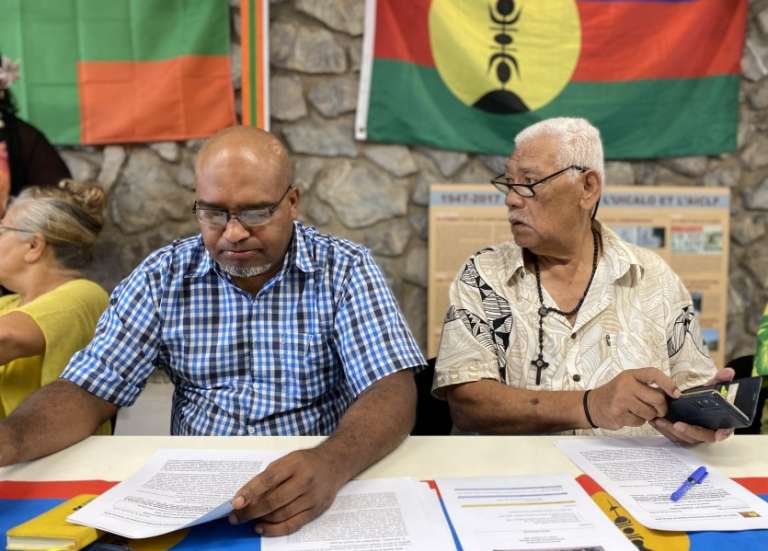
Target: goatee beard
column 245, row 271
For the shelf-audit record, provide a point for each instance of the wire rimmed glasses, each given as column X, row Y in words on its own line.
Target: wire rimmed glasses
column 218, row 218
column 524, row 188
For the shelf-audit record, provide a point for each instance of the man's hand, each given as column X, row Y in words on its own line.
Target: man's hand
column 289, row 493
column 683, row 433
column 629, row 400
column 301, row 485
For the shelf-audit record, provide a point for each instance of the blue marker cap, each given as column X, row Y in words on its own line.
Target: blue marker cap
column 696, row 477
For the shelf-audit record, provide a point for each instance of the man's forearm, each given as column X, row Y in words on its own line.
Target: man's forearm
column 51, row 419
column 490, row 407
column 374, row 425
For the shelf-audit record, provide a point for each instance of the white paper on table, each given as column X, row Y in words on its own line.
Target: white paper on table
column 435, row 516
column 392, row 514
column 527, row 512
column 642, row 474
column 177, row 488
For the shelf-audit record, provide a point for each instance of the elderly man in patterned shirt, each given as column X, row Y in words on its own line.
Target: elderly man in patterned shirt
column 568, row 328
column 265, row 326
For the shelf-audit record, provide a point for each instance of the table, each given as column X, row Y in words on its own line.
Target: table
column 422, row 457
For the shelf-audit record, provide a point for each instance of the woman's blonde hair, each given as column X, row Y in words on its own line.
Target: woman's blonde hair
column 68, row 216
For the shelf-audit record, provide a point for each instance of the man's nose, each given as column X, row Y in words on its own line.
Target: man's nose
column 234, row 231
column 514, row 200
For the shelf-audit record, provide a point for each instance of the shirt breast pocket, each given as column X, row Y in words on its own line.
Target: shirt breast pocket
column 306, row 365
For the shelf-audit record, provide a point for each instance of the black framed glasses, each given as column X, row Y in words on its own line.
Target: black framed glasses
column 525, row 187
column 218, row 218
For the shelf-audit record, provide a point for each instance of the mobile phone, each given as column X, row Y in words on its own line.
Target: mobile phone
column 729, row 405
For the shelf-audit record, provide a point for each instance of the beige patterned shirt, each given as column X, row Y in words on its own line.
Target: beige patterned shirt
column 637, row 313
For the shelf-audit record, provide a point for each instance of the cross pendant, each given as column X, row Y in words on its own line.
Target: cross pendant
column 539, row 364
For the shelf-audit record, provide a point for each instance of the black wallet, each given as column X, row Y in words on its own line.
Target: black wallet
column 720, row 406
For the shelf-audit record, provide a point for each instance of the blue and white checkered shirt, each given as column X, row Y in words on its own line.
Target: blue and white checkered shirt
column 287, row 361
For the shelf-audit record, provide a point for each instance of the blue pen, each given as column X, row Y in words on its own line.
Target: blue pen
column 696, row 477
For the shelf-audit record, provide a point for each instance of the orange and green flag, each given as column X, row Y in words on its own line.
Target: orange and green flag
column 657, row 77
column 254, row 31
column 107, row 71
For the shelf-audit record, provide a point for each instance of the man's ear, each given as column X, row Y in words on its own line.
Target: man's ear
column 591, row 190
column 293, row 201
column 36, row 248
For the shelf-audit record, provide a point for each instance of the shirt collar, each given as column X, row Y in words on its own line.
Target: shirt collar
column 616, row 254
column 201, row 263
column 300, row 250
column 514, row 262
column 298, row 255
column 619, row 257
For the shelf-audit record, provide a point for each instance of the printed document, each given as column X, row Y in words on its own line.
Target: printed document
column 176, row 489
column 642, row 474
column 393, row 514
column 515, row 513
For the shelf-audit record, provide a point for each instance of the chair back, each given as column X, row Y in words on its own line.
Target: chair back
column 433, row 416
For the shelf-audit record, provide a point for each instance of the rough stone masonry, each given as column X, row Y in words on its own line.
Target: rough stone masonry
column 378, row 194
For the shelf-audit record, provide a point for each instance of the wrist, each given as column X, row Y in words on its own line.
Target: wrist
column 340, row 466
column 587, row 411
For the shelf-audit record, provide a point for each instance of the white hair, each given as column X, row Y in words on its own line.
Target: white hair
column 580, row 141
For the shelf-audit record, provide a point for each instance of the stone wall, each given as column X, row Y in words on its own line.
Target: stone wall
column 377, row 194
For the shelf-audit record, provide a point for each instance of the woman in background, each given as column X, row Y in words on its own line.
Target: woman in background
column 46, row 237
column 27, row 158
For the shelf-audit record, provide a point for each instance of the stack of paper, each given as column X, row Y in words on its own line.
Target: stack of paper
column 399, row 514
column 642, row 474
column 527, row 512
column 182, row 488
column 176, row 489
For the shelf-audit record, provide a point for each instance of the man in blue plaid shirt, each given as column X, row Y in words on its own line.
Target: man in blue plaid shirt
column 264, row 325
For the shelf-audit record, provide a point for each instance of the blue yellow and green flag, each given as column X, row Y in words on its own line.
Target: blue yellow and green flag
column 657, row 77
column 96, row 71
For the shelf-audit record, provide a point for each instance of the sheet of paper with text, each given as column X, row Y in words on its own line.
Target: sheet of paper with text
column 177, row 488
column 642, row 473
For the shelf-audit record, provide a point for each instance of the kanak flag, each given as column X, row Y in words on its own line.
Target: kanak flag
column 106, row 71
column 657, row 77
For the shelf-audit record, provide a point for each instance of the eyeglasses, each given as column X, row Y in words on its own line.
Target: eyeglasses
column 219, row 218
column 4, row 229
column 525, row 188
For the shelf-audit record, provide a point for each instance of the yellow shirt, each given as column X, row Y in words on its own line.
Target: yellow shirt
column 67, row 316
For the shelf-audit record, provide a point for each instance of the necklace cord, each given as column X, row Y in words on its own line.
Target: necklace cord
column 539, row 362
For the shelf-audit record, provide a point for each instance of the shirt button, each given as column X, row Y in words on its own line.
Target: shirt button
column 573, row 335
column 251, row 430
column 577, row 377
